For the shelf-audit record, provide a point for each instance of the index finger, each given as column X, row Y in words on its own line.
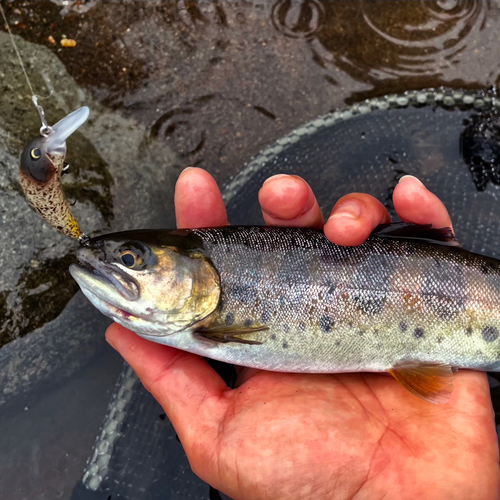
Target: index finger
column 288, row 200
column 198, row 201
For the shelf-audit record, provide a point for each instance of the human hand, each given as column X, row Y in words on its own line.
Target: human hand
column 318, row 436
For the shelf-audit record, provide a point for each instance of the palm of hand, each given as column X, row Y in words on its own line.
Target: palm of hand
column 290, row 436
column 351, row 436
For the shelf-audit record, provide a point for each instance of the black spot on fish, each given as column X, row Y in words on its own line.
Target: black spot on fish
column 361, row 332
column 337, row 342
column 266, row 316
column 484, row 269
column 468, row 331
column 326, row 323
column 248, row 322
column 229, row 319
column 439, row 340
column 489, row 333
column 403, row 326
column 437, row 262
column 286, row 328
column 285, row 345
column 331, row 286
column 418, row 333
column 273, row 337
column 302, row 326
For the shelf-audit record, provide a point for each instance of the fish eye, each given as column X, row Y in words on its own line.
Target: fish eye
column 128, row 259
column 131, row 256
column 35, row 154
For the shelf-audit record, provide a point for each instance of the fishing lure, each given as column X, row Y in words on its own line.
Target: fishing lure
column 42, row 162
column 41, row 168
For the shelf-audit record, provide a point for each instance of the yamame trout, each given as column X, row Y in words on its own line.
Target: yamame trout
column 408, row 301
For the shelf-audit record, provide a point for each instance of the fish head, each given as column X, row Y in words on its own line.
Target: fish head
column 44, row 156
column 152, row 282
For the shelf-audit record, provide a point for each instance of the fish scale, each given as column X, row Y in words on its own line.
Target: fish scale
column 372, row 298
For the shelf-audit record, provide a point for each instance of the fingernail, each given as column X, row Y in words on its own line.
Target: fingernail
column 349, row 209
column 406, row 178
column 277, row 176
column 187, row 168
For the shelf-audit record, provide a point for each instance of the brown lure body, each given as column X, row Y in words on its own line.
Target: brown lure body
column 41, row 168
column 40, row 177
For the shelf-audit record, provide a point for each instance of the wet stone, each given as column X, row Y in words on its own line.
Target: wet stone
column 489, row 333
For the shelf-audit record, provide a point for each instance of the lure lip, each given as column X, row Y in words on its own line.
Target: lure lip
column 55, row 143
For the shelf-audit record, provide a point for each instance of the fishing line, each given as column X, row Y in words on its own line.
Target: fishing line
column 45, row 129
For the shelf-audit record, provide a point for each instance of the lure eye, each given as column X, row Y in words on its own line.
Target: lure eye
column 35, row 154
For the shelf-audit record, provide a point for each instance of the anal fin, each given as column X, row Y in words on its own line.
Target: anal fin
column 224, row 334
column 432, row 382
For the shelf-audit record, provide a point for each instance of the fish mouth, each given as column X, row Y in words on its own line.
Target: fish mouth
column 105, row 286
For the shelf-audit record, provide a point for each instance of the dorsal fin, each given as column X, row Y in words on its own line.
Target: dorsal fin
column 405, row 231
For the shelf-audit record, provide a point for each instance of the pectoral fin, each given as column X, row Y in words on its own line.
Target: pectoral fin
column 432, row 382
column 233, row 333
